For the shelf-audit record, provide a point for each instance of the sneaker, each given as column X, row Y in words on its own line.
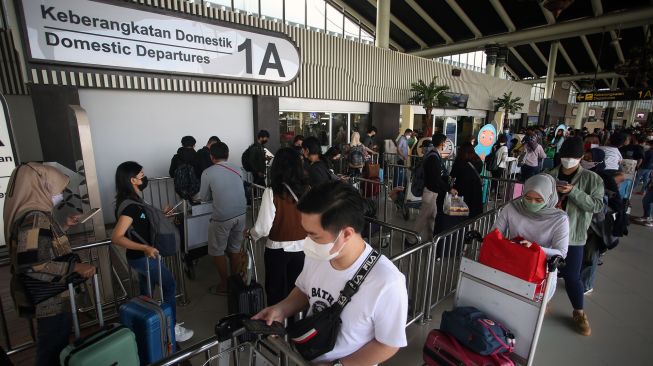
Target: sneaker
column 182, row 334
column 648, row 223
column 588, row 291
column 582, row 323
column 642, row 219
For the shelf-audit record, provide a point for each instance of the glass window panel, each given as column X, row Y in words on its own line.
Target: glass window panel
column 272, row 8
column 295, row 11
column 334, row 20
column 351, row 28
column 316, row 13
column 307, row 124
column 359, row 122
column 250, row 6
column 365, row 36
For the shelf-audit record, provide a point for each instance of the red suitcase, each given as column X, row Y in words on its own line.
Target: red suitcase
column 441, row 349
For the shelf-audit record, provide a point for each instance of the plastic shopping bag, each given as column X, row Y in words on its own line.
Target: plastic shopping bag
column 455, row 205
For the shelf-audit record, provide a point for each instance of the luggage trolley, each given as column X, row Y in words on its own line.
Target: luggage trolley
column 510, row 300
column 227, row 347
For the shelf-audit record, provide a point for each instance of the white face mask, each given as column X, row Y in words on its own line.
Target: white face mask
column 320, row 251
column 57, row 199
column 569, row 163
column 588, row 164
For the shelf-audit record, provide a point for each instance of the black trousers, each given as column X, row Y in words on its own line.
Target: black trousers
column 281, row 271
column 52, row 337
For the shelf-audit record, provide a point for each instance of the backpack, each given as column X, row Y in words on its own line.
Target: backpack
column 164, row 235
column 417, row 185
column 244, row 159
column 186, row 182
column 356, row 157
column 492, row 161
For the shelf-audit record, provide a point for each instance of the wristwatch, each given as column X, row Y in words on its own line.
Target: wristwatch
column 337, row 363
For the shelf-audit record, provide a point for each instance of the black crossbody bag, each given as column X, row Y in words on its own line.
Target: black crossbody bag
column 316, row 335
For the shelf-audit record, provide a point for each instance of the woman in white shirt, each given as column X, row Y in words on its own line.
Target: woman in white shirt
column 502, row 156
column 280, row 221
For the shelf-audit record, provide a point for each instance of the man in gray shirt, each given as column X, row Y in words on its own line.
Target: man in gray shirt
column 223, row 184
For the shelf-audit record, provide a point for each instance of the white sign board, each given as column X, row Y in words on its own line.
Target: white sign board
column 7, row 161
column 97, row 34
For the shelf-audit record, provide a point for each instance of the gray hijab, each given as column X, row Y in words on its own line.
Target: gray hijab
column 545, row 186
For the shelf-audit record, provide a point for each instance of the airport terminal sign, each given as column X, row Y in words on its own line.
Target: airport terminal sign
column 615, row 95
column 98, row 34
column 7, row 159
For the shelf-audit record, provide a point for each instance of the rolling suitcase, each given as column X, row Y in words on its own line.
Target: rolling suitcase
column 111, row 345
column 442, row 349
column 245, row 295
column 152, row 323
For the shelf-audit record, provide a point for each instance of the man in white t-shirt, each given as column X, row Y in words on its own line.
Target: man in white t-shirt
column 613, row 156
column 374, row 322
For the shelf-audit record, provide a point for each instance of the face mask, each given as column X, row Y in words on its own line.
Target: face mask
column 320, row 251
column 143, row 185
column 57, row 199
column 533, row 206
column 569, row 163
column 506, row 131
column 589, row 165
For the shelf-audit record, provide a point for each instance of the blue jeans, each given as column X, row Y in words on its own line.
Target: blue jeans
column 528, row 171
column 647, row 202
column 644, row 175
column 169, row 285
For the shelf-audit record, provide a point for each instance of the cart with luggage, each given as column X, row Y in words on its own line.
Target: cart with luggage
column 508, row 310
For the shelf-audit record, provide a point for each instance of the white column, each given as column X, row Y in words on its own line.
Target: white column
column 382, row 24
column 551, row 69
column 632, row 113
column 580, row 114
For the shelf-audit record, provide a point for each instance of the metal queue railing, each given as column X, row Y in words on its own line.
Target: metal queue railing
column 376, row 191
column 448, row 249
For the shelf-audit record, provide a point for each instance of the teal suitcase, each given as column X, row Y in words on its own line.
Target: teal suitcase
column 112, row 345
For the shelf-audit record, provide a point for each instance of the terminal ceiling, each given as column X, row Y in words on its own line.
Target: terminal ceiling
column 414, row 26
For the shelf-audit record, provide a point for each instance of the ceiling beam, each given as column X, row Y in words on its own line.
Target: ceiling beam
column 623, row 19
column 505, row 18
column 427, row 18
column 372, row 27
column 597, row 8
column 463, row 16
column 602, row 75
column 403, row 28
column 522, row 61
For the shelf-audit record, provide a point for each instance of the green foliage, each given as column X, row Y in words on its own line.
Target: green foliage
column 508, row 104
column 428, row 95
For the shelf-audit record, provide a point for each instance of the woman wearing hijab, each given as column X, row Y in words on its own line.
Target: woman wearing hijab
column 532, row 156
column 535, row 218
column 39, row 249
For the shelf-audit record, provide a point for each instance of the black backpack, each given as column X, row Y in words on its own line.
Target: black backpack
column 491, row 161
column 164, row 235
column 244, row 159
column 186, row 182
column 417, row 184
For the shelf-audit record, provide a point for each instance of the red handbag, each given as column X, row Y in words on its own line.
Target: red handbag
column 510, row 257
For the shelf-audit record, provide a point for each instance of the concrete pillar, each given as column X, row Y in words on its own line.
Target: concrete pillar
column 491, row 52
column 580, row 114
column 551, row 69
column 382, row 24
column 632, row 113
column 502, row 56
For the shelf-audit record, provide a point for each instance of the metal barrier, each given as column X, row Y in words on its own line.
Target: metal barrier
column 160, row 192
column 374, row 190
column 389, row 239
column 499, row 191
column 448, row 248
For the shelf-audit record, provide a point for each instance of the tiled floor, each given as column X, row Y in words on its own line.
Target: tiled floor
column 618, row 309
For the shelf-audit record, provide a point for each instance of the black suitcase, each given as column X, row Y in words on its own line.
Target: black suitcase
column 245, row 296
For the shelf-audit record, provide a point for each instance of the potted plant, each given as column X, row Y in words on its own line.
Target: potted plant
column 429, row 96
column 509, row 105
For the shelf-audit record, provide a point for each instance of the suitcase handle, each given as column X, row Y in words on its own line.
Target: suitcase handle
column 149, row 281
column 73, row 305
column 251, row 260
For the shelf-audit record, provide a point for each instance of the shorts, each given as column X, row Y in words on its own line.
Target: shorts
column 226, row 235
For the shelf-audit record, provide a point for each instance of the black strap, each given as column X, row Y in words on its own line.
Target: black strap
column 353, row 285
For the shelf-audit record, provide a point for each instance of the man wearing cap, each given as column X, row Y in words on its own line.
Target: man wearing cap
column 581, row 196
column 436, row 185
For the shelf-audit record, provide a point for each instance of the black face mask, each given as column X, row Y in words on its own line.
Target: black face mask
column 143, row 185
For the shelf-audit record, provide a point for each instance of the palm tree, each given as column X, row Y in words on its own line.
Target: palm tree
column 429, row 96
column 509, row 106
